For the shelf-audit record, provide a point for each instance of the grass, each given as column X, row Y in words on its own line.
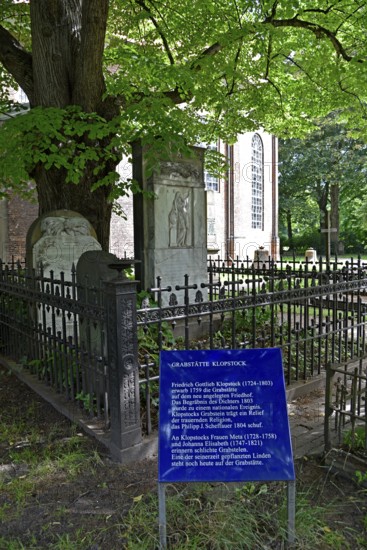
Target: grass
column 40, row 456
column 199, row 515
column 62, row 461
column 55, row 465
column 223, row 517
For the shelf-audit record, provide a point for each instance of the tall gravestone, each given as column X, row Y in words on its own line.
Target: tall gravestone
column 171, row 230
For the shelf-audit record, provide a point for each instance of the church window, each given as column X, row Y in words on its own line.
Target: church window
column 211, row 182
column 257, row 180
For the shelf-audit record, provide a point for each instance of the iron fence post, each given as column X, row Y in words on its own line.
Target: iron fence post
column 328, row 405
column 123, row 374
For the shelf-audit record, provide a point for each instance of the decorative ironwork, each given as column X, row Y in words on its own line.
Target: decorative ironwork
column 57, row 328
column 315, row 313
column 346, row 401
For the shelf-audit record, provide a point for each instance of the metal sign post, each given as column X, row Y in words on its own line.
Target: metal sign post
column 162, row 516
column 291, row 506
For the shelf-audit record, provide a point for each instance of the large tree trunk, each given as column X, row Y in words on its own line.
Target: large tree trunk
column 55, row 194
column 290, row 229
column 63, row 69
column 334, row 218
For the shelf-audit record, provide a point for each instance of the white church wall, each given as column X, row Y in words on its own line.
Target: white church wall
column 121, row 229
column 247, row 239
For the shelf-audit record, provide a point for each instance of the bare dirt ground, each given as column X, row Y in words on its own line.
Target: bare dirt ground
column 100, row 496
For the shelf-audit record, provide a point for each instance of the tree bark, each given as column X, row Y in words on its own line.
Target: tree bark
column 323, row 197
column 55, row 194
column 290, row 229
column 334, row 218
column 65, row 68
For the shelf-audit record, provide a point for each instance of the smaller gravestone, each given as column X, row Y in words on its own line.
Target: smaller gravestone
column 91, row 271
column 92, row 267
column 311, row 255
column 55, row 242
column 261, row 257
column 58, row 239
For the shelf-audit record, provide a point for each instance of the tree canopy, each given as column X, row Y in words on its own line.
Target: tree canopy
column 323, row 172
column 100, row 74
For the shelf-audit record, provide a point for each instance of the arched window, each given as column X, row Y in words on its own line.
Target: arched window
column 257, row 181
column 211, row 182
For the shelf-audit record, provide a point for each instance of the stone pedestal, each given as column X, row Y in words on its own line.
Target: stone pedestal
column 171, row 230
column 92, row 271
column 311, row 255
column 123, row 371
column 261, row 258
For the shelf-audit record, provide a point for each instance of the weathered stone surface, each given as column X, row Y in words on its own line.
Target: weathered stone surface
column 55, row 242
column 171, row 230
column 58, row 239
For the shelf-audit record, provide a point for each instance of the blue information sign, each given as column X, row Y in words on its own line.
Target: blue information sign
column 223, row 416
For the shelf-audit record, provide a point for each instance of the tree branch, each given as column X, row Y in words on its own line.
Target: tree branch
column 317, row 84
column 278, row 91
column 344, row 90
column 319, row 10
column 143, row 5
column 317, row 30
column 274, row 9
column 211, row 50
column 17, row 61
column 268, row 57
column 237, row 56
column 177, row 96
column 347, row 18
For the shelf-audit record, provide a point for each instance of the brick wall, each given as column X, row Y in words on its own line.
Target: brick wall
column 21, row 214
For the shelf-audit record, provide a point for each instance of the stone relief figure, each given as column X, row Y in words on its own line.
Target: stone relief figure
column 63, row 241
column 179, row 170
column 52, row 226
column 182, row 219
column 179, row 219
column 77, row 226
column 172, row 223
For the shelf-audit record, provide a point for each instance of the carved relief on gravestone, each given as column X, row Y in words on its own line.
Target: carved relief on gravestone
column 63, row 240
column 55, row 242
column 179, row 170
column 180, row 219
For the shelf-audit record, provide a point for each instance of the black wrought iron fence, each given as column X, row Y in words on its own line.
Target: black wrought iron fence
column 315, row 313
column 81, row 341
column 56, row 329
